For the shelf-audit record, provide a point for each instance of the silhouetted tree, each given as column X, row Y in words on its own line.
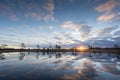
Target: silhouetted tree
column 90, row 46
column 38, row 46
column 116, row 46
column 22, row 45
column 50, row 48
column 44, row 50
column 56, row 46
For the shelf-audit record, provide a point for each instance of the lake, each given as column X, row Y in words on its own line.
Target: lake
column 64, row 66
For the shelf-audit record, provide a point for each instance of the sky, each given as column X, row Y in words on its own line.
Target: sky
column 68, row 23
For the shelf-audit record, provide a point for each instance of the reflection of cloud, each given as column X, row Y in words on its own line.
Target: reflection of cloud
column 87, row 68
column 111, row 69
column 85, row 71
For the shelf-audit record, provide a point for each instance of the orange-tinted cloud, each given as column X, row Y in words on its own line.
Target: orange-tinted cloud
column 106, row 7
column 109, row 17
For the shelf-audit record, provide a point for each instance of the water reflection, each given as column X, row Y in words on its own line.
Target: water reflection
column 61, row 54
column 37, row 55
column 2, row 56
column 59, row 66
column 21, row 55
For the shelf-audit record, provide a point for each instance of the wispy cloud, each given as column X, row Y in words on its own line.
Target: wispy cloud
column 109, row 17
column 7, row 11
column 108, row 6
column 82, row 29
column 36, row 10
column 50, row 7
column 107, row 31
column 13, row 30
column 69, row 25
column 117, row 33
column 108, row 9
column 84, row 34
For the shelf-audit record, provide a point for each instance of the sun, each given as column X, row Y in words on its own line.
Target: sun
column 81, row 48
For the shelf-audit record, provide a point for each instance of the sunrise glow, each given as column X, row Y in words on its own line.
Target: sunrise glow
column 81, row 48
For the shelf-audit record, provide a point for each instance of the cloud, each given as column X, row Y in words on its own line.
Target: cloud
column 117, row 33
column 61, row 38
column 22, row 9
column 103, row 43
column 11, row 38
column 104, row 37
column 45, row 11
column 109, row 17
column 109, row 11
column 29, row 28
column 83, row 29
column 107, row 31
column 13, row 30
column 7, row 11
column 108, row 6
column 69, row 25
column 49, row 6
column 49, row 17
column 116, row 40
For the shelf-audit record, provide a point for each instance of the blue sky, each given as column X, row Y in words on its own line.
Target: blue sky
column 68, row 23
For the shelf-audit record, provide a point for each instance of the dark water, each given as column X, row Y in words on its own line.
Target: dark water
column 64, row 66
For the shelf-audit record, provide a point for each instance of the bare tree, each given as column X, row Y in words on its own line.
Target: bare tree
column 22, row 45
column 38, row 46
column 90, row 46
column 116, row 46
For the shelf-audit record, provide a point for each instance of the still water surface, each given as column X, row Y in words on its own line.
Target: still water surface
column 42, row 66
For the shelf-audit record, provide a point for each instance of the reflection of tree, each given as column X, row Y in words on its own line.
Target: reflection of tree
column 37, row 55
column 2, row 56
column 21, row 55
column 74, row 51
column 38, row 47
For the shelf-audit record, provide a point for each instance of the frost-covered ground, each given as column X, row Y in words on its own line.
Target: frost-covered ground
column 39, row 66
